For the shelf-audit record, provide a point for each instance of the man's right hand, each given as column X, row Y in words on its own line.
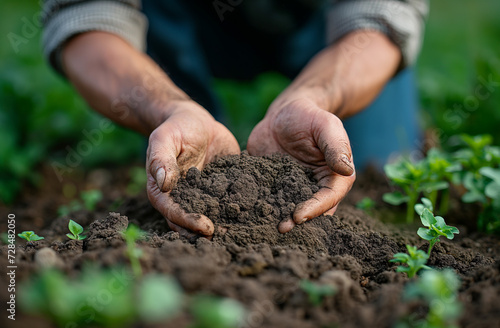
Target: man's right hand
column 189, row 137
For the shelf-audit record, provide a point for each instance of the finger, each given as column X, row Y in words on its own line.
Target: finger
column 162, row 158
column 332, row 190
column 286, row 225
column 332, row 140
column 172, row 211
column 332, row 210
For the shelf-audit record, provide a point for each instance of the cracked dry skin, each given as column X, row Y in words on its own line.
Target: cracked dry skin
column 261, row 268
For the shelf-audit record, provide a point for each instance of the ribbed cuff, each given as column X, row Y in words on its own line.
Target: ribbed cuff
column 113, row 17
column 400, row 21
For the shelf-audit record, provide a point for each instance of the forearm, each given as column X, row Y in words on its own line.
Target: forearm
column 347, row 76
column 120, row 82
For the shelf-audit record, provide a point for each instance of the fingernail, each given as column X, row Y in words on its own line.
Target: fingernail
column 160, row 177
column 302, row 221
column 347, row 161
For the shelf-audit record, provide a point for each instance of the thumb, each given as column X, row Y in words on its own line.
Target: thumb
column 333, row 142
column 162, row 161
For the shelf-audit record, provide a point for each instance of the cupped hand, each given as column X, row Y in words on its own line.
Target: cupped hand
column 189, row 137
column 316, row 139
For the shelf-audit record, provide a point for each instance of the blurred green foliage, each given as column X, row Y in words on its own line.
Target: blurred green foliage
column 459, row 68
column 40, row 113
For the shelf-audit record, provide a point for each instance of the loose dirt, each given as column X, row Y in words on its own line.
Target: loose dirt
column 252, row 262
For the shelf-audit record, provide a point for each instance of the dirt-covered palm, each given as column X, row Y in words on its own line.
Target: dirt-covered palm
column 189, row 137
column 315, row 138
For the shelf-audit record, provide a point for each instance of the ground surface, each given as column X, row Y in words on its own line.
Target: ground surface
column 250, row 261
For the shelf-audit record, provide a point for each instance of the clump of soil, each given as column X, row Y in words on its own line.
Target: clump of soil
column 246, row 189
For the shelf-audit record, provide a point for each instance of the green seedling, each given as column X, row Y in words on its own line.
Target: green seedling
column 413, row 179
column 212, row 312
column 415, row 261
column 131, row 235
column 30, row 236
column 316, row 292
column 439, row 290
column 436, row 227
column 75, row 230
column 366, row 204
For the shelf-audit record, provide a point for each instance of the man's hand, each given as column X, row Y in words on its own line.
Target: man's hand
column 315, row 138
column 189, row 137
column 304, row 121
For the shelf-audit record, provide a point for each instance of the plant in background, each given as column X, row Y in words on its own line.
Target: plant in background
column 415, row 261
column 438, row 289
column 436, row 227
column 88, row 200
column 366, row 204
column 131, row 235
column 413, row 179
column 212, row 312
column 441, row 167
column 480, row 162
column 316, row 292
column 30, row 236
column 138, row 180
column 75, row 230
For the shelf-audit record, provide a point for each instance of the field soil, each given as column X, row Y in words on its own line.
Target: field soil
column 250, row 261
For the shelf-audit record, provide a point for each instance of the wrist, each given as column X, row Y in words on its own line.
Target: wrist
column 323, row 95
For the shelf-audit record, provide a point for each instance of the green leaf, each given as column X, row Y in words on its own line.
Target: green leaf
column 427, row 218
column 400, row 257
column 425, row 234
column 395, row 198
column 75, row 228
column 427, row 203
column 432, row 186
column 493, row 174
column 419, row 208
column 70, row 236
column 492, row 190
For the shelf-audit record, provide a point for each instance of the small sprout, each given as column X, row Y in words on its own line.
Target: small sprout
column 415, row 261
column 30, row 236
column 212, row 312
column 366, row 204
column 436, row 227
column 131, row 235
column 316, row 292
column 75, row 230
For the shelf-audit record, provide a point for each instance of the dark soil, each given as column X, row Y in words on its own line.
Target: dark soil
column 252, row 262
